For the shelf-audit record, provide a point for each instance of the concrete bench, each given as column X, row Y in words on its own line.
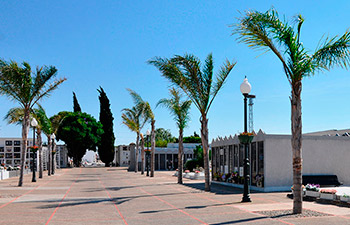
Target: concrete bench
column 322, row 180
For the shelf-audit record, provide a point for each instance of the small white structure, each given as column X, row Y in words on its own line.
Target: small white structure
column 271, row 158
column 122, row 154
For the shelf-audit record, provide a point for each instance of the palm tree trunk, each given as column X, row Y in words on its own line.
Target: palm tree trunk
column 142, row 154
column 40, row 144
column 137, row 153
column 205, row 145
column 48, row 155
column 153, row 146
column 297, row 147
column 180, row 157
column 25, row 130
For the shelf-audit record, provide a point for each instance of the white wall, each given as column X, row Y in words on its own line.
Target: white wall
column 327, row 155
column 321, row 155
column 278, row 162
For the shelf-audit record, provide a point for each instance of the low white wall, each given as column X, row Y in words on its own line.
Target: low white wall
column 4, row 174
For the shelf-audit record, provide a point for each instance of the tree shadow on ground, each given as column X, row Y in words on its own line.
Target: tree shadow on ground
column 87, row 201
column 191, row 207
column 241, row 220
column 217, row 189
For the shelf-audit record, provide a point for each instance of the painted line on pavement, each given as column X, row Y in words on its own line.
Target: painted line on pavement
column 217, row 201
column 156, row 197
column 115, row 205
column 2, row 206
column 54, row 212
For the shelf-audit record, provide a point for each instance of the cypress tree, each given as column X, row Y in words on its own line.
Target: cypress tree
column 76, row 105
column 106, row 146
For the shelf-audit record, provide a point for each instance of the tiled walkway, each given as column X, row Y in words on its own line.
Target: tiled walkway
column 114, row 196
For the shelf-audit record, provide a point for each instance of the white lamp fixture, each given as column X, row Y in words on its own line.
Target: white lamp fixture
column 245, row 86
column 148, row 133
column 53, row 136
column 34, row 123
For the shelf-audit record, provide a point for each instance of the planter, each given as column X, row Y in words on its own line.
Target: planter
column 344, row 199
column 245, row 139
column 327, row 196
column 314, row 194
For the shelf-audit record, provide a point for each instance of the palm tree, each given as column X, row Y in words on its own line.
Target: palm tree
column 22, row 85
column 131, row 118
column 266, row 31
column 186, row 72
column 15, row 116
column 147, row 116
column 180, row 111
column 51, row 127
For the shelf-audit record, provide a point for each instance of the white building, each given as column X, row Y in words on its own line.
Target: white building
column 10, row 151
column 122, row 154
column 166, row 156
column 271, row 158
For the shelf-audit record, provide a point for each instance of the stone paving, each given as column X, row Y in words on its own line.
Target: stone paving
column 115, row 196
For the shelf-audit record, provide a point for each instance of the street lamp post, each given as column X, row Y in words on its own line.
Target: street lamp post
column 34, row 123
column 245, row 89
column 147, row 152
column 53, row 136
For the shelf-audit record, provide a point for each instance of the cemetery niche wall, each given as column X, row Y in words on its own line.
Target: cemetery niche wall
column 271, row 159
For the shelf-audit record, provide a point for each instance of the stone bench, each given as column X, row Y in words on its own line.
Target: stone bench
column 322, row 180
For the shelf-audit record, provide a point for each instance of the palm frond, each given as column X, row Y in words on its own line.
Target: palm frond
column 333, row 52
column 57, row 119
column 220, row 79
column 14, row 116
column 173, row 73
column 178, row 109
column 46, row 91
column 259, row 30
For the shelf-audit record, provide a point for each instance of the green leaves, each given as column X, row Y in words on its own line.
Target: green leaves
column 333, row 52
column 266, row 31
column 194, row 79
column 27, row 88
column 80, row 131
column 179, row 109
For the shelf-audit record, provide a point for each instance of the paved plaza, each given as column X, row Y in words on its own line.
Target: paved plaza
column 115, row 196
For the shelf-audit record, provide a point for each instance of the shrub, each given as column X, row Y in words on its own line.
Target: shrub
column 192, row 164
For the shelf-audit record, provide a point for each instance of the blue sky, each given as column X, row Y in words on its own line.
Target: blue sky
column 107, row 43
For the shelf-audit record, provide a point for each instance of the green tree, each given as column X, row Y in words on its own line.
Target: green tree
column 146, row 116
column 186, row 72
column 80, row 131
column 76, row 106
column 25, row 87
column 192, row 139
column 163, row 137
column 267, row 32
column 180, row 111
column 106, row 145
column 51, row 127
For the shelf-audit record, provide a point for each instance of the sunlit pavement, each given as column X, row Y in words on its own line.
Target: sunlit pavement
column 115, row 196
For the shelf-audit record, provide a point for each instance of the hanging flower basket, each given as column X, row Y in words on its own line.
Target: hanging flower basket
column 34, row 148
column 245, row 137
column 53, row 152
